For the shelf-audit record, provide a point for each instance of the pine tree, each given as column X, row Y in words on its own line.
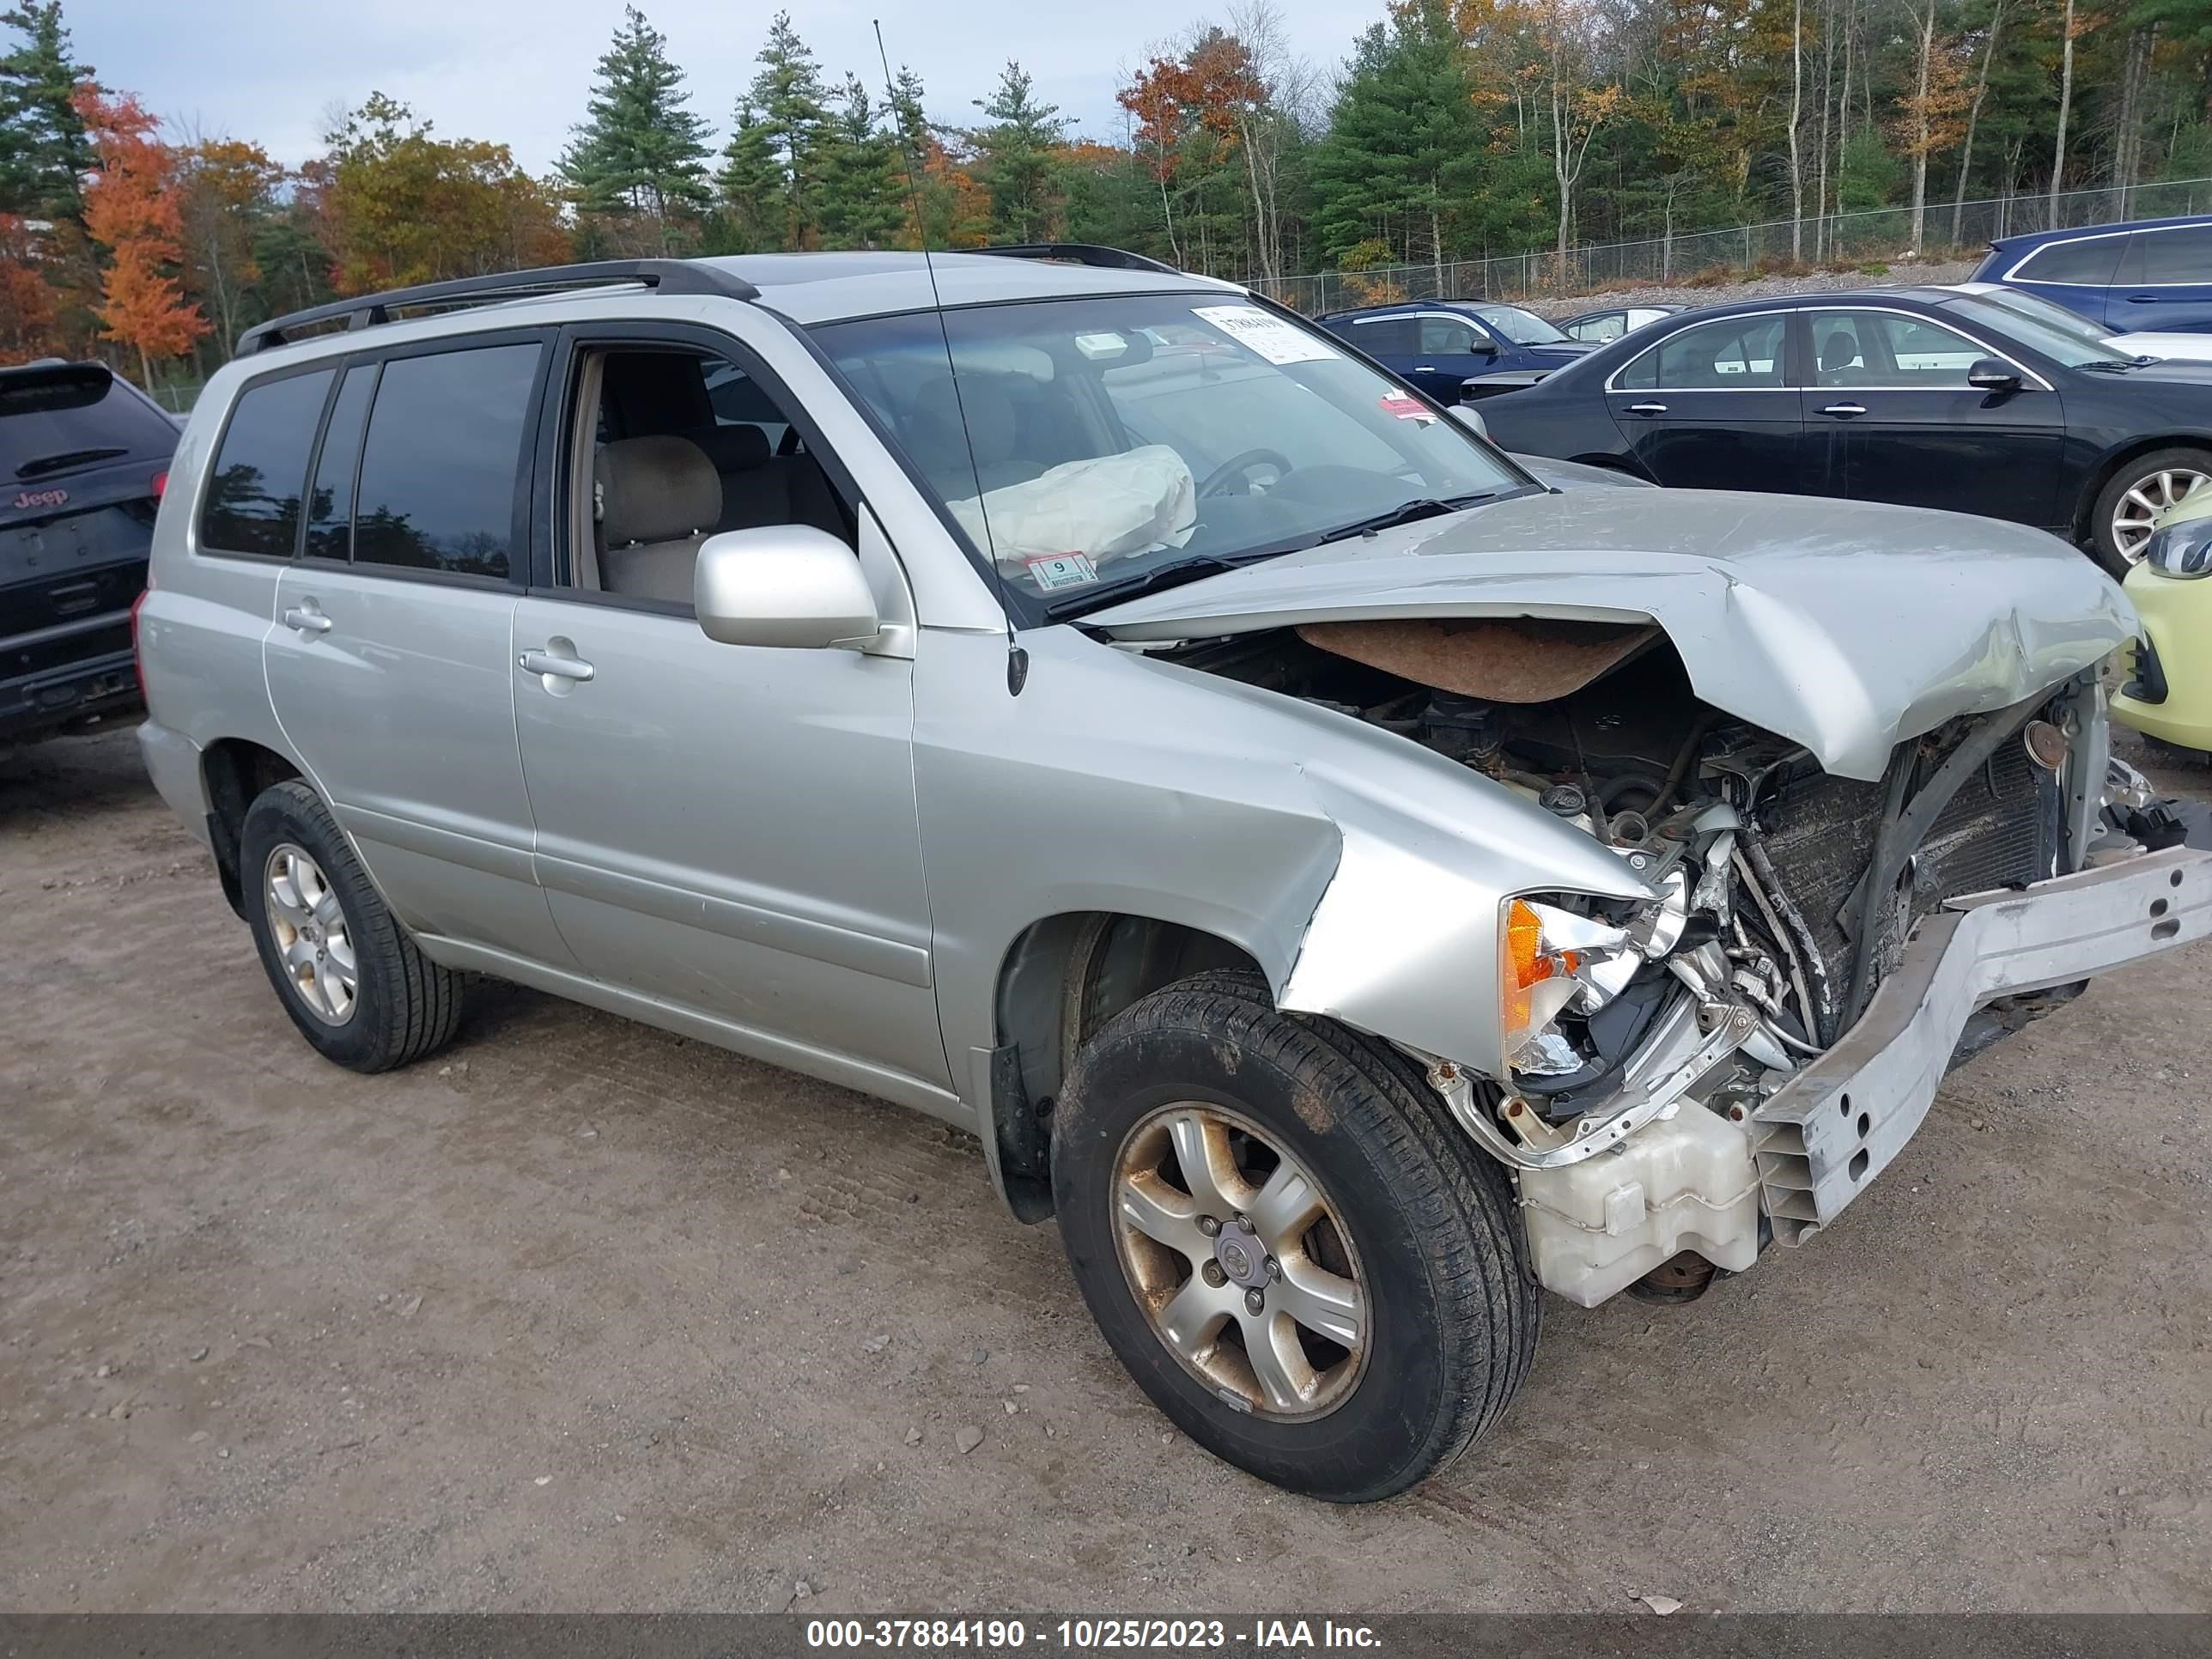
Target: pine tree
column 641, row 152
column 1020, row 158
column 1404, row 139
column 863, row 192
column 752, row 185
column 787, row 91
column 43, row 147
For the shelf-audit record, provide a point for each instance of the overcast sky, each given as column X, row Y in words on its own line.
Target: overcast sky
column 517, row 71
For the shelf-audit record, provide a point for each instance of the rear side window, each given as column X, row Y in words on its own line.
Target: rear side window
column 2173, row 257
column 442, row 459
column 2089, row 262
column 1386, row 337
column 1726, row 356
column 261, row 470
column 330, row 506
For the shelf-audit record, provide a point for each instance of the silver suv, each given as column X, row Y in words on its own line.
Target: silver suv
column 1352, row 884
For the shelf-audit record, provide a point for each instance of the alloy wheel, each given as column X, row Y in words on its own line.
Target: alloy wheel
column 2136, row 514
column 1238, row 1259
column 311, row 934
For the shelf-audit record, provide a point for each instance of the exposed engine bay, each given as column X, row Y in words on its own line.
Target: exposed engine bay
column 1785, row 897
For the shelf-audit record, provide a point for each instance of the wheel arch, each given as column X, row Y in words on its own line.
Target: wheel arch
column 234, row 771
column 2085, row 505
column 1061, row 978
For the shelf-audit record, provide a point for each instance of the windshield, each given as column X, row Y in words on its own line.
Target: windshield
column 1089, row 447
column 1522, row 327
column 2061, row 335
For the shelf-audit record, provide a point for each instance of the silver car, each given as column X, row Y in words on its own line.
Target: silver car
column 1352, row 885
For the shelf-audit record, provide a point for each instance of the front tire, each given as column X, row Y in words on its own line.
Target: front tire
column 346, row 971
column 1360, row 1311
column 2120, row 522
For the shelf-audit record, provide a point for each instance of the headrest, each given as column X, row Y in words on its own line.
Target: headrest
column 732, row 448
column 1839, row 350
column 992, row 425
column 655, row 489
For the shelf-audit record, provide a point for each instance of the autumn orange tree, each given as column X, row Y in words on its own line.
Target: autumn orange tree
column 130, row 211
column 27, row 302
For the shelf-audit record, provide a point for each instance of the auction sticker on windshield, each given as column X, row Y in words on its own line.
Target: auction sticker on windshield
column 1063, row 570
column 1406, row 408
column 1277, row 341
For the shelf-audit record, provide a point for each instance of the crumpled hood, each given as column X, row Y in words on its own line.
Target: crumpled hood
column 1845, row 626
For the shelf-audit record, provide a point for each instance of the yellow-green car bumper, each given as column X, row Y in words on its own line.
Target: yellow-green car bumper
column 2167, row 689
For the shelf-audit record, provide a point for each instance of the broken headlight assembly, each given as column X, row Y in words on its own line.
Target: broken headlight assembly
column 1558, row 957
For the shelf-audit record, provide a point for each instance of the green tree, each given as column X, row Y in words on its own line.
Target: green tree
column 44, row 152
column 639, row 152
column 751, row 182
column 788, row 95
column 863, row 189
column 1019, row 161
column 1404, row 141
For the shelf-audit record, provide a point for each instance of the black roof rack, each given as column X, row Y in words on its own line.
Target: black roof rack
column 1082, row 253
column 367, row 310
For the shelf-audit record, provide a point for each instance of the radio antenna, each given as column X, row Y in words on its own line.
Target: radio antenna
column 1018, row 660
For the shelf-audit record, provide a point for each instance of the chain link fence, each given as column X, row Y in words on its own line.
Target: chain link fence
column 1697, row 257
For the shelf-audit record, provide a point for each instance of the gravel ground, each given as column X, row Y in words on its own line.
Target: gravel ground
column 582, row 1315
column 1901, row 275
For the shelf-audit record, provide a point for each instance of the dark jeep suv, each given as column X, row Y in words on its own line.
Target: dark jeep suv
column 83, row 459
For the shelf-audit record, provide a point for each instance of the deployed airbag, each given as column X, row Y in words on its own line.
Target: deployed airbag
column 1107, row 507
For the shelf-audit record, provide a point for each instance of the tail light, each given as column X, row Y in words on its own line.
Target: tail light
column 138, row 648
column 160, row 484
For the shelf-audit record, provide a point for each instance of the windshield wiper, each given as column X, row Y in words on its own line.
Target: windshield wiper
column 68, row 457
column 2117, row 362
column 1422, row 507
column 1195, row 569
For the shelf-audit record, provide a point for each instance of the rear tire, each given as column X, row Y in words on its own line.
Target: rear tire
column 2118, row 522
column 346, row 971
column 1418, row 1225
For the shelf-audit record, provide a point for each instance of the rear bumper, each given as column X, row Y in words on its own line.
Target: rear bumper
column 1834, row 1126
column 55, row 698
column 172, row 762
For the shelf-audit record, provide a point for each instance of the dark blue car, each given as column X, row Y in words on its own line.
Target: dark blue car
column 2151, row 276
column 1455, row 350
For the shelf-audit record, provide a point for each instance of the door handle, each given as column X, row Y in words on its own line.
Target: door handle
column 563, row 668
column 307, row 619
column 2143, row 299
column 1647, row 408
column 1425, row 368
column 1844, row 408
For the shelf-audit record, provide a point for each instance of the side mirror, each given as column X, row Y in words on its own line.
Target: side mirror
column 790, row 586
column 1468, row 418
column 1992, row 374
column 1484, row 346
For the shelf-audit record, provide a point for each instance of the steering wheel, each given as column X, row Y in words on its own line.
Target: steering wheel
column 1218, row 481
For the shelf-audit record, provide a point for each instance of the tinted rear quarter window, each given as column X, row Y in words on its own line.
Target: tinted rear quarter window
column 2089, row 262
column 444, row 453
column 48, row 417
column 261, row 470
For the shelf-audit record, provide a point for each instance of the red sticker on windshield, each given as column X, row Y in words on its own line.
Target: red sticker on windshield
column 1406, row 408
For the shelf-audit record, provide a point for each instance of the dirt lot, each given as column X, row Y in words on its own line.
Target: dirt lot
column 583, row 1316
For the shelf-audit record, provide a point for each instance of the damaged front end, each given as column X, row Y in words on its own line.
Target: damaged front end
column 1722, row 1047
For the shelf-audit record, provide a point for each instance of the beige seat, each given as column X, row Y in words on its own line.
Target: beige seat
column 659, row 499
